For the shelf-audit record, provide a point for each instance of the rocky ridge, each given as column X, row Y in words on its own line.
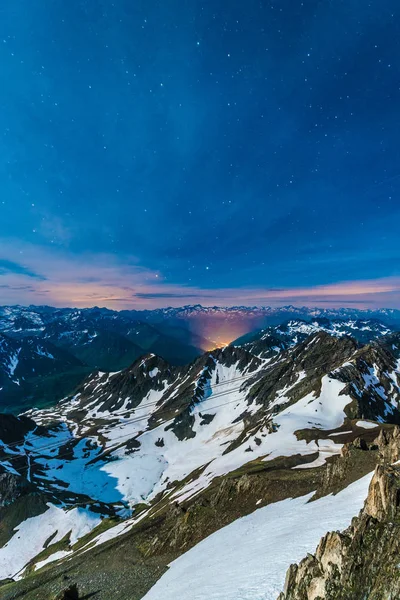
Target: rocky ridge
column 361, row 562
column 46, row 352
column 270, row 341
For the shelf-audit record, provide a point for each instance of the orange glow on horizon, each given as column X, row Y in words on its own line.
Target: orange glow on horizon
column 219, row 330
column 218, row 344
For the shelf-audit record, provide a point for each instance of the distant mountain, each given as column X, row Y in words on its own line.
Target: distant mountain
column 99, row 338
column 221, row 325
column 272, row 340
column 388, row 315
column 76, row 329
column 206, row 325
column 78, row 341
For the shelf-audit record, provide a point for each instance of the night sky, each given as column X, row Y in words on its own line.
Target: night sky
column 170, row 152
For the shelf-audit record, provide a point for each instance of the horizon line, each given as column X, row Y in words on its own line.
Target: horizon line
column 254, row 306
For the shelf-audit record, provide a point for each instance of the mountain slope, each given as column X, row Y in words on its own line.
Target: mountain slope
column 156, row 443
column 262, row 543
column 270, row 341
column 361, row 562
column 133, row 554
column 109, row 340
column 79, row 340
column 28, row 362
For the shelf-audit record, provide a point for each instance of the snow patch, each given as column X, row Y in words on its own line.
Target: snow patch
column 366, row 424
column 30, row 536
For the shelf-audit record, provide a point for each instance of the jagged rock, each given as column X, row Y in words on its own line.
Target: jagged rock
column 388, row 443
column 362, row 562
column 355, row 458
column 383, row 497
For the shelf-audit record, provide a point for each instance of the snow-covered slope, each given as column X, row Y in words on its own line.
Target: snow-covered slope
column 32, row 536
column 272, row 340
column 225, row 410
column 248, row 559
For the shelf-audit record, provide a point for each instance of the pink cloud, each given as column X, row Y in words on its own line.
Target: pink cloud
column 88, row 280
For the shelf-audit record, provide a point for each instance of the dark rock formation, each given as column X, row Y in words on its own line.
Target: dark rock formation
column 362, row 562
column 70, row 593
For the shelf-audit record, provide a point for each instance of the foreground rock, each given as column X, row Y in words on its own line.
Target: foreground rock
column 362, row 562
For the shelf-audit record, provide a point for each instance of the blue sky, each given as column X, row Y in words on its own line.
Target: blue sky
column 164, row 152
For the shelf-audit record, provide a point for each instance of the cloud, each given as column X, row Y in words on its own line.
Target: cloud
column 9, row 266
column 169, row 295
column 106, row 280
column 17, row 287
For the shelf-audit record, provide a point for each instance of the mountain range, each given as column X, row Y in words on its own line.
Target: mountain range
column 46, row 352
column 173, row 481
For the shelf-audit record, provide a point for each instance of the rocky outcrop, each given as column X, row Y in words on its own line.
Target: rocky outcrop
column 388, row 443
column 362, row 562
column 356, row 459
column 12, row 483
column 372, row 381
column 317, row 356
column 13, row 429
column 11, row 487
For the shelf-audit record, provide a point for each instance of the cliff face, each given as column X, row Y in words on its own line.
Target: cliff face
column 362, row 563
column 11, row 487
